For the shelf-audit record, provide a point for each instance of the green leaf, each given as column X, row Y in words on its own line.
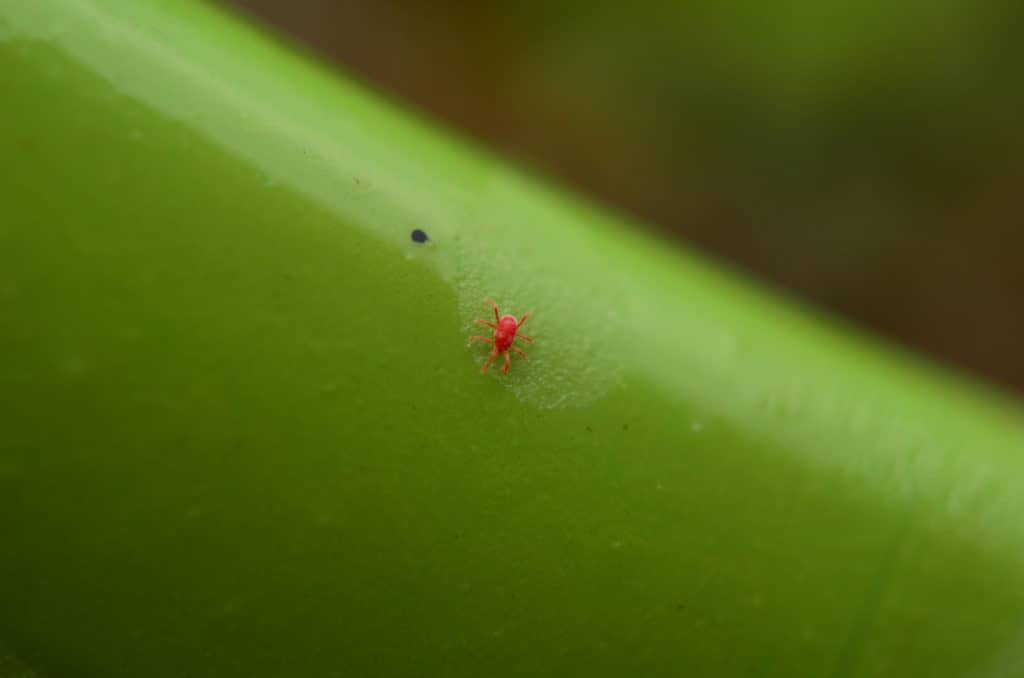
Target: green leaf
column 243, row 432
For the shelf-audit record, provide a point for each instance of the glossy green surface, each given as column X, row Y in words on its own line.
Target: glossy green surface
column 242, row 432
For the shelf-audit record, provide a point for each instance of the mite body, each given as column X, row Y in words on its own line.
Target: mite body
column 506, row 331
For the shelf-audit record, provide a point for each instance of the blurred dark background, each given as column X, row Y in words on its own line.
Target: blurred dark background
column 867, row 157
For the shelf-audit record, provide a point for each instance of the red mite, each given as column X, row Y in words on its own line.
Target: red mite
column 505, row 332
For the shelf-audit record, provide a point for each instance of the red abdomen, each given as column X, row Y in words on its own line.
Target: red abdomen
column 505, row 334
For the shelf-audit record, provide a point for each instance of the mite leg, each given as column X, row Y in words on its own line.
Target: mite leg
column 484, row 322
column 490, row 359
column 508, row 363
column 524, row 338
column 525, row 357
column 495, row 307
column 523, row 319
column 477, row 337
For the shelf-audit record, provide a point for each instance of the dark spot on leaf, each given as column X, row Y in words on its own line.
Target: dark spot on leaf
column 419, row 236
